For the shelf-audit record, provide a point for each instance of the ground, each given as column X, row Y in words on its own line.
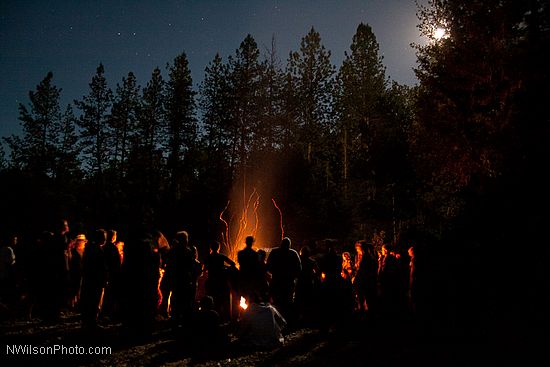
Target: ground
column 360, row 344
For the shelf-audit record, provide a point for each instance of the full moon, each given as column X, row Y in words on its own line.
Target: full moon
column 439, row 33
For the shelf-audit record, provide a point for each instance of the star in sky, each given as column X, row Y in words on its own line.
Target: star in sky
column 71, row 38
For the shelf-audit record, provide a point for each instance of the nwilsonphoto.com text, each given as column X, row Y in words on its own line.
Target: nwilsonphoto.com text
column 55, row 349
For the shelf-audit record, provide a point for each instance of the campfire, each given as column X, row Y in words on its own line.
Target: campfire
column 246, row 223
column 243, row 304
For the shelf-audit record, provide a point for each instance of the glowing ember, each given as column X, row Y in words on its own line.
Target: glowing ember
column 323, row 276
column 243, row 303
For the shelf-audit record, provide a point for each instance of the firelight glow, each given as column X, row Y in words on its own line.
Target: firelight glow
column 243, row 304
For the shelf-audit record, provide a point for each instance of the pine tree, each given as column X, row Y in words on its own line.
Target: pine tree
column 269, row 131
column 94, row 128
column 180, row 113
column 245, row 72
column 146, row 162
column 467, row 131
column 123, row 120
column 35, row 150
column 214, row 102
column 3, row 163
column 67, row 166
column 152, row 121
column 313, row 82
column 289, row 131
column 362, row 86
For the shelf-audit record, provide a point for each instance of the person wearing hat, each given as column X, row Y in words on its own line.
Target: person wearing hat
column 75, row 269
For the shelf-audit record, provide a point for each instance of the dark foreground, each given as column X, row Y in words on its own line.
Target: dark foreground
column 362, row 343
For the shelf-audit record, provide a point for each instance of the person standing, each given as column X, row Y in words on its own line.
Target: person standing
column 113, row 267
column 249, row 269
column 75, row 270
column 217, row 282
column 93, row 279
column 285, row 266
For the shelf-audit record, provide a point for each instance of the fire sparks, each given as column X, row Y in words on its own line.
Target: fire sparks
column 245, row 223
column 280, row 218
column 243, row 230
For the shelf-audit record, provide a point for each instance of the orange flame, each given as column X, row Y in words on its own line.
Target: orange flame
column 232, row 246
column 248, row 223
column 161, row 275
column 243, row 303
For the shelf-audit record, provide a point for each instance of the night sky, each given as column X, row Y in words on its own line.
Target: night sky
column 70, row 38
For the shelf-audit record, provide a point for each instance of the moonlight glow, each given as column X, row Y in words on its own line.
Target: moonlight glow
column 439, row 33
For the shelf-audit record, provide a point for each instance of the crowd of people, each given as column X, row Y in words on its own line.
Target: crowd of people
column 149, row 278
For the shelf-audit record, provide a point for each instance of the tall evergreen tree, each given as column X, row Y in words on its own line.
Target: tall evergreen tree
column 467, row 131
column 123, row 121
column 268, row 132
column 94, row 128
column 67, row 148
column 481, row 139
column 180, row 114
column 146, row 163
column 245, row 77
column 362, row 86
column 214, row 102
column 3, row 163
column 313, row 81
column 35, row 151
column 289, row 131
column 152, row 122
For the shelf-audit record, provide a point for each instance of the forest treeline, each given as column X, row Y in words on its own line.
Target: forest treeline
column 330, row 143
column 457, row 163
column 347, row 152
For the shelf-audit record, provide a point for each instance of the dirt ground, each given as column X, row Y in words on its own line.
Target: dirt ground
column 361, row 343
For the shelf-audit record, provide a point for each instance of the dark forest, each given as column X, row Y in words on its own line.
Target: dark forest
column 455, row 165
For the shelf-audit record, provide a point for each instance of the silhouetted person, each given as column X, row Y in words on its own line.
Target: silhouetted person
column 113, row 264
column 41, row 277
column 93, row 278
column 336, row 296
column 217, row 283
column 261, row 325
column 365, row 279
column 264, row 277
column 54, row 272
column 196, row 273
column 140, row 270
column 390, row 283
column 25, row 253
column 412, row 282
column 285, row 266
column 307, row 287
column 348, row 268
column 249, row 269
column 75, row 270
column 180, row 278
column 7, row 276
column 208, row 337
